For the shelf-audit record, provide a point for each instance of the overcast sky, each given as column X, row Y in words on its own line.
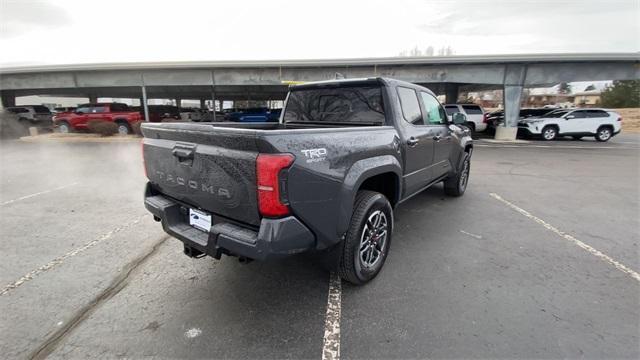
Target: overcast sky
column 64, row 32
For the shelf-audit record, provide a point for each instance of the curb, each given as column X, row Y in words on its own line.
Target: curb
column 80, row 138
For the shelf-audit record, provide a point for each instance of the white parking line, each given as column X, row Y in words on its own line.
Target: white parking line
column 331, row 347
column 59, row 260
column 39, row 193
column 595, row 147
column 570, row 238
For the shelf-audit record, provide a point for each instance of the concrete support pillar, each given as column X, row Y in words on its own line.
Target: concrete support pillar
column 8, row 100
column 178, row 103
column 451, row 93
column 144, row 103
column 93, row 98
column 514, row 79
column 203, row 103
column 213, row 102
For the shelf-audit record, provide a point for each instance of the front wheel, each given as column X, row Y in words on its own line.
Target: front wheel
column 549, row 133
column 456, row 185
column 366, row 244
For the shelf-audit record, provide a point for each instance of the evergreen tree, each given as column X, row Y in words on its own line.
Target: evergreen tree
column 622, row 94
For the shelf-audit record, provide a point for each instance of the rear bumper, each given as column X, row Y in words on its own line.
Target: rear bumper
column 276, row 238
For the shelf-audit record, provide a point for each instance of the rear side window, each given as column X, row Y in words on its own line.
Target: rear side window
column 410, row 106
column 472, row 109
column 597, row 114
column 451, row 109
column 119, row 107
column 361, row 105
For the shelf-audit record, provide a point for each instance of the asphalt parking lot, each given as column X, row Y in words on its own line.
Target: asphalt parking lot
column 539, row 259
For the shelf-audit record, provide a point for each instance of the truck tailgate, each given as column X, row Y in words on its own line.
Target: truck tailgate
column 212, row 169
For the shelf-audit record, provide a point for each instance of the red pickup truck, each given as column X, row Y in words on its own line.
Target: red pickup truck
column 119, row 113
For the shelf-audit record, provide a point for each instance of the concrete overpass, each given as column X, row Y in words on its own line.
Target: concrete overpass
column 263, row 80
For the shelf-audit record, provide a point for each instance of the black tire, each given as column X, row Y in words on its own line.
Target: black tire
column 353, row 266
column 124, row 128
column 472, row 128
column 549, row 133
column 577, row 137
column 604, row 133
column 457, row 184
column 64, row 127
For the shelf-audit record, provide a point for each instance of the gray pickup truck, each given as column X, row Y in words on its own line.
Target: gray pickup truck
column 325, row 178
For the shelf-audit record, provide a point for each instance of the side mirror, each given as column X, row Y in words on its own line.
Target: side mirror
column 79, row 112
column 459, row 118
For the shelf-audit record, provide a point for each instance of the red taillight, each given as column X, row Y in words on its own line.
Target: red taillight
column 619, row 119
column 268, row 168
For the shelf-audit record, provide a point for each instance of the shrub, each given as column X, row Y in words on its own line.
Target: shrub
column 10, row 127
column 135, row 126
column 104, row 128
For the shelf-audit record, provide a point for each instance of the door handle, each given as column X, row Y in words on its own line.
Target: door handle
column 437, row 137
column 412, row 141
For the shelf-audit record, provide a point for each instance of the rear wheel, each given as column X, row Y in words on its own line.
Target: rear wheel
column 604, row 134
column 123, row 128
column 549, row 133
column 366, row 244
column 456, row 185
column 64, row 127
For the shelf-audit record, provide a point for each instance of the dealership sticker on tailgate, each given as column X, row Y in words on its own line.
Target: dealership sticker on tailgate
column 199, row 220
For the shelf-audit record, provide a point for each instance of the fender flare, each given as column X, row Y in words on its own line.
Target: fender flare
column 360, row 171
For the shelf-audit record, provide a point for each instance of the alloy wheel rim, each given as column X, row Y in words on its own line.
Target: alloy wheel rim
column 122, row 130
column 604, row 134
column 373, row 239
column 464, row 176
column 549, row 133
column 63, row 129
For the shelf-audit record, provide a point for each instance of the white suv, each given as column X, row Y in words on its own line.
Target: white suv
column 476, row 119
column 599, row 123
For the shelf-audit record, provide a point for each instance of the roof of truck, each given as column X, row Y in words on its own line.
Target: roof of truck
column 354, row 81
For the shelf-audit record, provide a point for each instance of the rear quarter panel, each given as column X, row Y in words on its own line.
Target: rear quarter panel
column 330, row 165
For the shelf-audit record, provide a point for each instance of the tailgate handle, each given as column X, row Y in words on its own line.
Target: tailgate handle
column 184, row 151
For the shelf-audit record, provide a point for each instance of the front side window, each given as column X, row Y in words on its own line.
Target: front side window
column 580, row 114
column 360, row 105
column 83, row 109
column 98, row 109
column 434, row 114
column 410, row 106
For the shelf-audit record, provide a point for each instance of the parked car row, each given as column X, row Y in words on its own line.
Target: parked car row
column 33, row 116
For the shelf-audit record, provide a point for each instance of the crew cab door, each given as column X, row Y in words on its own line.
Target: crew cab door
column 97, row 112
column 435, row 118
column 417, row 142
column 574, row 122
